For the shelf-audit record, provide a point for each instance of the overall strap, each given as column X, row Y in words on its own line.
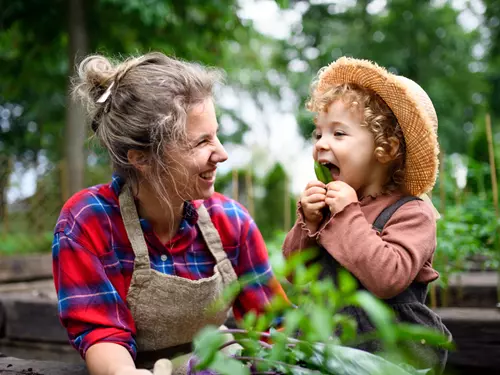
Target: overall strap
column 214, row 244
column 133, row 228
column 416, row 292
column 387, row 213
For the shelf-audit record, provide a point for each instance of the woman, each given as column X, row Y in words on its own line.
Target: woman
column 139, row 262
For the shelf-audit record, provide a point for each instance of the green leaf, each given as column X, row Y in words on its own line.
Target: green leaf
column 347, row 283
column 206, row 345
column 381, row 316
column 422, row 334
column 283, row 4
column 228, row 366
column 348, row 361
column 321, row 322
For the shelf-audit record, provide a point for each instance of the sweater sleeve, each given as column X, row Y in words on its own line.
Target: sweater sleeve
column 299, row 237
column 385, row 263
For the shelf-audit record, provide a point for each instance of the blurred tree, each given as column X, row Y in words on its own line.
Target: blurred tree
column 40, row 45
column 418, row 39
column 270, row 209
column 492, row 24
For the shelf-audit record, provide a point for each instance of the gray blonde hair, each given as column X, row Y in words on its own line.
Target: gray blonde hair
column 147, row 107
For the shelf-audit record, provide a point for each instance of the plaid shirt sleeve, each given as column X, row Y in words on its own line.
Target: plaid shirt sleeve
column 90, row 307
column 254, row 267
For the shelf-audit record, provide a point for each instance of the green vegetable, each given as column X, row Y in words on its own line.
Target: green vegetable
column 322, row 173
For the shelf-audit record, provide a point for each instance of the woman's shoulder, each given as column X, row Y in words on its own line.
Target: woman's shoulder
column 223, row 208
column 89, row 205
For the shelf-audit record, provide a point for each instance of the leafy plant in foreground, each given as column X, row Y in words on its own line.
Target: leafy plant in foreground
column 315, row 337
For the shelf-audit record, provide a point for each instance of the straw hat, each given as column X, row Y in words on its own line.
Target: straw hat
column 410, row 104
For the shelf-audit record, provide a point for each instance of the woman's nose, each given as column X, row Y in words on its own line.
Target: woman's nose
column 219, row 155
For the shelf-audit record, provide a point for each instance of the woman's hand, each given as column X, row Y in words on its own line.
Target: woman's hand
column 339, row 195
column 312, row 202
column 106, row 358
column 133, row 371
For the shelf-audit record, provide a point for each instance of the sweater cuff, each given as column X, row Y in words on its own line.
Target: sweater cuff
column 347, row 210
column 330, row 217
column 302, row 222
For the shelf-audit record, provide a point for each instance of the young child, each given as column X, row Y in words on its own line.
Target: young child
column 377, row 134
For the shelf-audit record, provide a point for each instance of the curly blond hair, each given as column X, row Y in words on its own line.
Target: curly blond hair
column 377, row 117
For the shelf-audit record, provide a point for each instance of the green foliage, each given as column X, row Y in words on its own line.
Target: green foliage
column 270, row 213
column 306, row 343
column 22, row 243
column 469, row 227
column 34, row 63
column 467, row 230
column 416, row 39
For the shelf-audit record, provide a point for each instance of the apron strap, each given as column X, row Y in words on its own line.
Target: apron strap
column 214, row 244
column 133, row 228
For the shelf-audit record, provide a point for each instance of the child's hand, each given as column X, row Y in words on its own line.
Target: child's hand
column 338, row 195
column 312, row 202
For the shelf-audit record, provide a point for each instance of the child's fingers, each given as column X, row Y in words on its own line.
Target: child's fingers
column 315, row 190
column 316, row 206
column 332, row 193
column 316, row 183
column 315, row 198
column 336, row 185
column 330, row 202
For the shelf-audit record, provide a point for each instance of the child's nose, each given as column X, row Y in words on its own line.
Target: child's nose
column 322, row 144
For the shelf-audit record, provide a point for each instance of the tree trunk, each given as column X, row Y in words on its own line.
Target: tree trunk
column 5, row 171
column 75, row 120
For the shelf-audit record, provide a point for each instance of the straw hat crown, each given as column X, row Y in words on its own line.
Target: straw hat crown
column 410, row 104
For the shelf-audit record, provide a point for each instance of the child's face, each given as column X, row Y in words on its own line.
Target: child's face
column 347, row 148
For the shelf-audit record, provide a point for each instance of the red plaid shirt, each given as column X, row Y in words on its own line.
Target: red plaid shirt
column 93, row 262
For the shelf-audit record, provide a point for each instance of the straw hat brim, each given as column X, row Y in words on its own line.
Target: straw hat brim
column 410, row 104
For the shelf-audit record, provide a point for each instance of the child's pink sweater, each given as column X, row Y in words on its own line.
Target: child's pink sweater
column 385, row 263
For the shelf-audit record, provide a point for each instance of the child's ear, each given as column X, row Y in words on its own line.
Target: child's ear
column 385, row 156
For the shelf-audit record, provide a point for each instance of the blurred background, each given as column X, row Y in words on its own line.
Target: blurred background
column 270, row 51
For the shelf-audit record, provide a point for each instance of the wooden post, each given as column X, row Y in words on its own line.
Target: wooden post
column 64, row 181
column 491, row 152
column 235, row 184
column 286, row 222
column 442, row 190
column 249, row 185
column 5, row 207
column 493, row 170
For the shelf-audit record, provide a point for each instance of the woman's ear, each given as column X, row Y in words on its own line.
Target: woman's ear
column 386, row 156
column 138, row 159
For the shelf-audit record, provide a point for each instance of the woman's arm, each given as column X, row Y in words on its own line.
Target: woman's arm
column 111, row 359
column 90, row 307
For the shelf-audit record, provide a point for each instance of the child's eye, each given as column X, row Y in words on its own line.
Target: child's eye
column 316, row 135
column 338, row 133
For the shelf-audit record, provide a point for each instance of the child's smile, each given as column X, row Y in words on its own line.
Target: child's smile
column 347, row 149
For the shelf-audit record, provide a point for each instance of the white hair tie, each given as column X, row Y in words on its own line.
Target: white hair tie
column 106, row 94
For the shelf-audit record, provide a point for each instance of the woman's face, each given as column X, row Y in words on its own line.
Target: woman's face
column 194, row 165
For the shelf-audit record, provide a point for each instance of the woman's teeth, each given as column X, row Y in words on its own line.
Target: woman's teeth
column 207, row 175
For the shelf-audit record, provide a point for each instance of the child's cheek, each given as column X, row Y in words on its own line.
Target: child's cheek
column 315, row 153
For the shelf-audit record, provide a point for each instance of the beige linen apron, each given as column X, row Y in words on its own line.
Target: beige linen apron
column 169, row 310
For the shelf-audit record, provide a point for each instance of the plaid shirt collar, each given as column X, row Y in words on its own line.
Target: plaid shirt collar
column 190, row 213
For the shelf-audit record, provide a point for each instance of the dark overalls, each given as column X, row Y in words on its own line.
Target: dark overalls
column 409, row 307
